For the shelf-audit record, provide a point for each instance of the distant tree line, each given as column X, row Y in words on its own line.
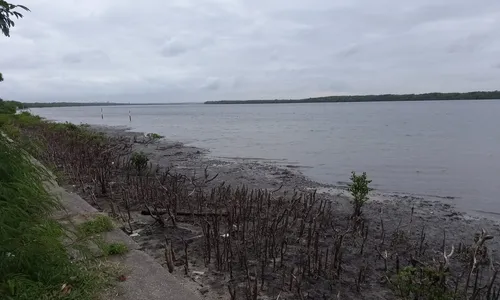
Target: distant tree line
column 62, row 104
column 374, row 98
column 19, row 105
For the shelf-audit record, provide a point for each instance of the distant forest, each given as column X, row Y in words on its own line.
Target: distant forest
column 374, row 98
column 62, row 104
column 494, row 95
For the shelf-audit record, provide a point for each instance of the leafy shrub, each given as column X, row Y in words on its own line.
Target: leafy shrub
column 153, row 138
column 7, row 107
column 422, row 283
column 359, row 190
column 139, row 161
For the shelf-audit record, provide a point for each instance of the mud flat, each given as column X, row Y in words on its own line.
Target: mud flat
column 305, row 244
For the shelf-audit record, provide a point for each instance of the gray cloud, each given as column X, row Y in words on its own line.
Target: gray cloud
column 87, row 57
column 186, row 50
column 173, row 50
column 211, row 84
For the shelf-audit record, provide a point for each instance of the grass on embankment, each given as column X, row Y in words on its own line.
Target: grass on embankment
column 97, row 225
column 115, row 249
column 34, row 262
column 91, row 231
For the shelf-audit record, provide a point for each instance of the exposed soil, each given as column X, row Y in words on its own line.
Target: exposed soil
column 392, row 231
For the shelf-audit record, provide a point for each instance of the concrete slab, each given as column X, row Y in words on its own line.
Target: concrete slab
column 148, row 280
column 72, row 203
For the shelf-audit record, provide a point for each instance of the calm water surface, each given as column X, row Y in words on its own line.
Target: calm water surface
column 448, row 149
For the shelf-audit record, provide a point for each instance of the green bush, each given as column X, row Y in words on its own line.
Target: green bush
column 153, row 137
column 422, row 283
column 139, row 161
column 7, row 107
column 359, row 190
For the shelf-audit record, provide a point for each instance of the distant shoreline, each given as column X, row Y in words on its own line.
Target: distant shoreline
column 331, row 101
column 480, row 95
column 494, row 95
column 81, row 104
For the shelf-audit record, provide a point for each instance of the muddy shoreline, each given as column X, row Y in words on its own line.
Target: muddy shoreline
column 262, row 174
column 393, row 211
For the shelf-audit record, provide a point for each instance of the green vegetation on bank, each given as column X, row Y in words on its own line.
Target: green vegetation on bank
column 8, row 107
column 483, row 95
column 115, row 249
column 98, row 225
column 34, row 260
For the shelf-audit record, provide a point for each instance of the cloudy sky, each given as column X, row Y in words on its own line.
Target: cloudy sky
column 197, row 50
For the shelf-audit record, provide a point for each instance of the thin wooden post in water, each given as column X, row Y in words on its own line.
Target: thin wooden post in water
column 129, row 116
column 102, row 114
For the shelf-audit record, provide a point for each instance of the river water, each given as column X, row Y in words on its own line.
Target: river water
column 439, row 148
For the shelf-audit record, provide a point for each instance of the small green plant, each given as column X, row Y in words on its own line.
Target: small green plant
column 98, row 225
column 115, row 249
column 422, row 283
column 139, row 161
column 154, row 136
column 359, row 190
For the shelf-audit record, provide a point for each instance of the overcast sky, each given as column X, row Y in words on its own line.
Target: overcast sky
column 197, row 50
